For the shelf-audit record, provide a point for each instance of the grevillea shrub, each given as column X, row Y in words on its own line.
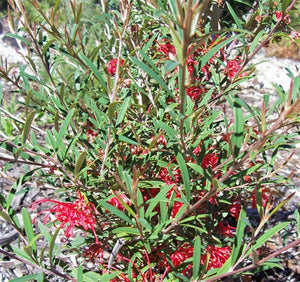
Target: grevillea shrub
column 133, row 114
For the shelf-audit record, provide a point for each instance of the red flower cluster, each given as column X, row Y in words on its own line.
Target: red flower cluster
column 166, row 48
column 112, row 66
column 194, row 92
column 210, row 161
column 217, row 256
column 91, row 133
column 78, row 214
column 182, row 254
column 232, row 67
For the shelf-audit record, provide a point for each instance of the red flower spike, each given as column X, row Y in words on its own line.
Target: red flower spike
column 78, row 214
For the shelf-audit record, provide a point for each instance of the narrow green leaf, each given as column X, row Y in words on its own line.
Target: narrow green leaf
column 267, row 235
column 282, row 203
column 55, row 9
column 29, row 251
column 285, row 4
column 196, row 257
column 6, row 217
column 238, row 127
column 31, row 277
column 80, row 274
column 126, row 230
column 150, row 72
column 127, row 140
column 80, row 162
column 171, row 65
column 92, row 276
column 94, row 70
column 47, row 45
column 296, row 88
column 172, row 134
column 28, row 227
column 1, row 93
column 64, row 127
column 215, row 49
column 53, row 246
column 18, row 37
column 146, row 224
column 27, row 125
column 122, row 111
column 116, row 212
column 160, row 197
column 185, row 175
column 298, row 222
column 255, row 41
column 234, row 16
column 239, row 235
column 22, row 253
column 112, row 108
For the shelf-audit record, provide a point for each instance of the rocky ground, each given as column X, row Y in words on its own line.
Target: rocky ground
column 269, row 70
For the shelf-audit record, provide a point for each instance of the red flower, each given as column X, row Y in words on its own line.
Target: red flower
column 167, row 178
column 166, row 48
column 235, row 209
column 278, row 15
column 70, row 215
column 218, row 256
column 194, row 92
column 116, row 202
column 225, row 229
column 210, row 160
column 162, row 141
column 91, row 133
column 182, row 254
column 112, row 66
column 232, row 68
column 93, row 252
column 190, row 65
column 136, row 150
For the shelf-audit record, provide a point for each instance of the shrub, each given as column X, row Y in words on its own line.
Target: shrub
column 136, row 120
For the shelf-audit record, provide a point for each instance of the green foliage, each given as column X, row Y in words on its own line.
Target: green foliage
column 135, row 105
